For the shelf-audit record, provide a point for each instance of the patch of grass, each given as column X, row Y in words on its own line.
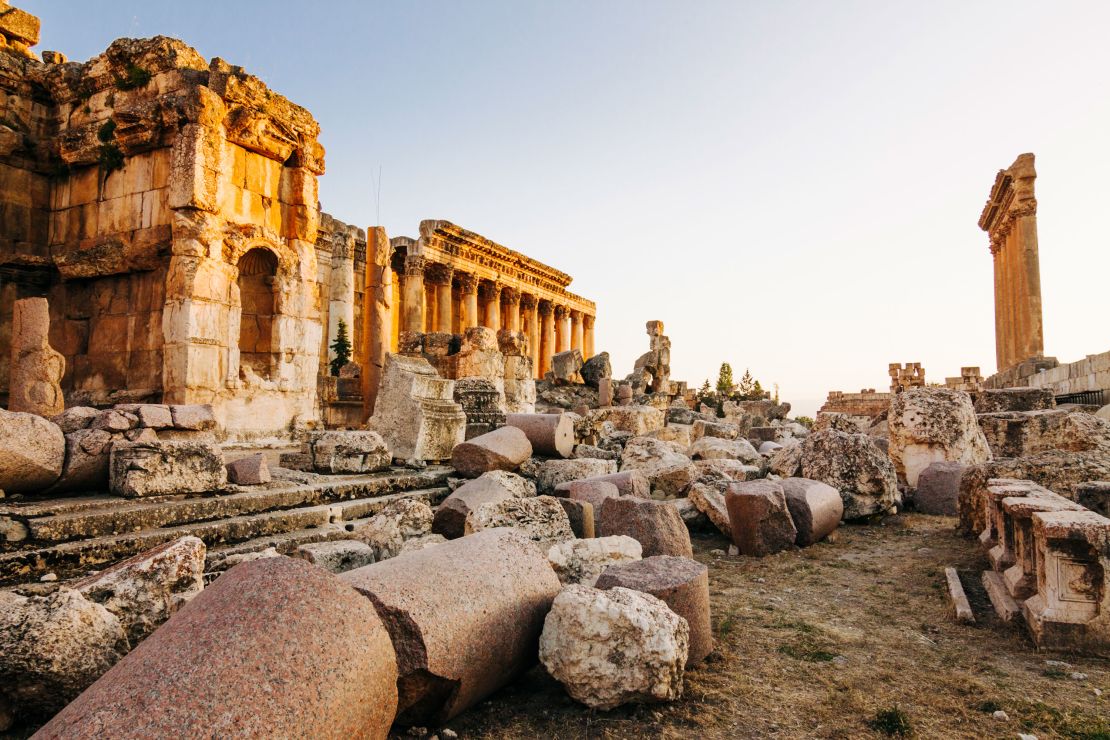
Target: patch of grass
column 1037, row 715
column 990, row 706
column 727, row 624
column 892, row 722
column 1054, row 672
column 805, row 650
column 135, row 77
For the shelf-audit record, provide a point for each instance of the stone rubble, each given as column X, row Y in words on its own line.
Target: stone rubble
column 582, row 561
column 540, row 518
column 502, row 449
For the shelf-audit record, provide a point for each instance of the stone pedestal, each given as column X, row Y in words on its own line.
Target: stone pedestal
column 415, row 412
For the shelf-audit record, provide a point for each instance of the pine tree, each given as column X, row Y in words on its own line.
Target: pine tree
column 724, row 379
column 757, row 392
column 341, row 347
column 747, row 385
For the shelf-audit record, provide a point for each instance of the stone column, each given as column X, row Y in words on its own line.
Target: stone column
column 37, row 368
column 341, row 305
column 412, row 318
column 440, row 277
column 468, row 286
column 491, row 294
column 528, row 306
column 588, row 337
column 377, row 317
column 547, row 340
column 576, row 331
column 512, row 301
column 562, row 329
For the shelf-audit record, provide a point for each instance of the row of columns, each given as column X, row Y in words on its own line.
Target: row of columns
column 551, row 328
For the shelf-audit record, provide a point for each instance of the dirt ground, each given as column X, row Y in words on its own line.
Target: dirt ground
column 846, row 639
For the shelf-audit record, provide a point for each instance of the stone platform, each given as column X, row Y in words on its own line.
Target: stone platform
column 72, row 535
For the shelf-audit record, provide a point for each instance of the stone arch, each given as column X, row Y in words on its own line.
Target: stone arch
column 257, row 290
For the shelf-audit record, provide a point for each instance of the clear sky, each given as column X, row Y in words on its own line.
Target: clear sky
column 791, row 187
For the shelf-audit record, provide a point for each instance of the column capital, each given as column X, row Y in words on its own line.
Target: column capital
column 544, row 308
column 575, row 315
column 561, row 312
column 414, row 264
column 490, row 291
column 439, row 274
column 527, row 301
column 511, row 295
column 588, row 321
column 468, row 282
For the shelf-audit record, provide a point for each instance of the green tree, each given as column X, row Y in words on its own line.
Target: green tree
column 724, row 379
column 341, row 347
column 705, row 388
column 747, row 385
column 757, row 392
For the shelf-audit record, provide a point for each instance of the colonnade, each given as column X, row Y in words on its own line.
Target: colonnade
column 437, row 297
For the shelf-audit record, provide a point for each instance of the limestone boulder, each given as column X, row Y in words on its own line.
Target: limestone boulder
column 787, row 462
column 715, row 448
column 145, row 590
column 855, row 466
column 53, row 647
column 275, row 647
column 553, row 472
column 930, row 425
column 1023, row 433
column 815, row 508
column 636, row 420
column 338, row 556
column 400, row 520
column 680, row 583
column 724, row 469
column 582, row 561
column 718, row 429
column 938, row 488
column 464, row 617
column 550, row 435
column 339, row 451
column 612, row 647
column 989, row 401
column 32, row 452
column 193, row 417
column 422, row 542
column 628, row 482
column 769, row 448
column 138, row 469
column 678, row 434
column 149, row 415
column 672, row 481
column 658, row 527
column 415, row 411
column 566, row 367
column 760, row 520
column 647, row 453
column 502, row 449
column 86, row 465
column 75, row 418
column 115, row 421
column 595, row 369
column 450, row 517
column 540, row 518
column 711, row 502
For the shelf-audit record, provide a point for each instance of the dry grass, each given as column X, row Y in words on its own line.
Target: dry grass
column 849, row 639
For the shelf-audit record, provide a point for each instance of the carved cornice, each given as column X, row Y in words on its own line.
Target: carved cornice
column 1011, row 198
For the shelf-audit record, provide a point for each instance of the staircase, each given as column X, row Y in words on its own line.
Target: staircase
column 73, row 535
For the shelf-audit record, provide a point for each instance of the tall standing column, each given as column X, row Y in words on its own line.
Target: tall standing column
column 341, row 304
column 512, row 304
column 528, row 308
column 468, row 285
column 588, row 336
column 440, row 277
column 377, row 319
column 576, row 331
column 491, row 294
column 547, row 341
column 413, row 301
column 562, row 329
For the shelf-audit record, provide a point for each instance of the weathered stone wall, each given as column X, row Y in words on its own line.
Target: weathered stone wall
column 865, row 403
column 1092, row 373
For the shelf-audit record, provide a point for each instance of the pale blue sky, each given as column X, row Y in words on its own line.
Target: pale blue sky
column 791, row 187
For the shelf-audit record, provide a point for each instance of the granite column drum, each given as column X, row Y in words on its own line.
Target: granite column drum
column 551, row 435
column 273, row 648
column 465, row 617
column 682, row 583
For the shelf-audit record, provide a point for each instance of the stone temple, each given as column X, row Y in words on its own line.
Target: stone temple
column 166, row 207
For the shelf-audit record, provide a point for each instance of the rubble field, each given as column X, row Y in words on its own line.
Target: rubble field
column 822, row 642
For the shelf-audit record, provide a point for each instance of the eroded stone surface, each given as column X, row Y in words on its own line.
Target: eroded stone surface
column 32, row 450
column 760, row 520
column 930, row 425
column 854, row 465
column 657, row 526
column 138, row 469
column 502, row 449
column 582, row 561
column 450, row 517
column 541, row 518
column 554, row 472
column 612, row 647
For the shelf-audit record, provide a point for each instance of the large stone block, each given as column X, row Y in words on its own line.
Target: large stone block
column 1022, row 433
column 681, row 583
column 450, row 517
column 551, row 435
column 711, row 502
column 36, row 367
column 414, row 411
column 930, row 425
column 760, row 520
column 582, row 561
column 338, row 451
column 815, row 508
column 657, row 526
column 502, row 449
column 715, row 448
column 1012, row 399
column 566, row 367
column 938, row 488
column 138, row 469
column 274, row 647
column 596, row 369
column 636, row 420
column 854, row 465
column 32, row 452
column 612, row 647
column 540, row 518
column 464, row 617
column 554, row 472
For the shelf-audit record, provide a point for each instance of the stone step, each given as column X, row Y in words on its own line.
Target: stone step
column 62, row 520
column 1004, row 605
column 78, row 556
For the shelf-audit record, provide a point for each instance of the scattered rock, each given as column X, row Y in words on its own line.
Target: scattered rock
column 930, row 425
column 249, row 471
column 554, row 472
column 551, row 435
column 612, row 647
column 938, row 488
column 854, row 465
column 760, row 520
column 138, row 469
column 711, row 502
column 657, row 526
column 715, row 448
column 541, row 518
column 450, row 517
column 32, row 451
column 596, row 368
column 502, row 449
column 815, row 508
column 337, row 556
column 582, row 561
